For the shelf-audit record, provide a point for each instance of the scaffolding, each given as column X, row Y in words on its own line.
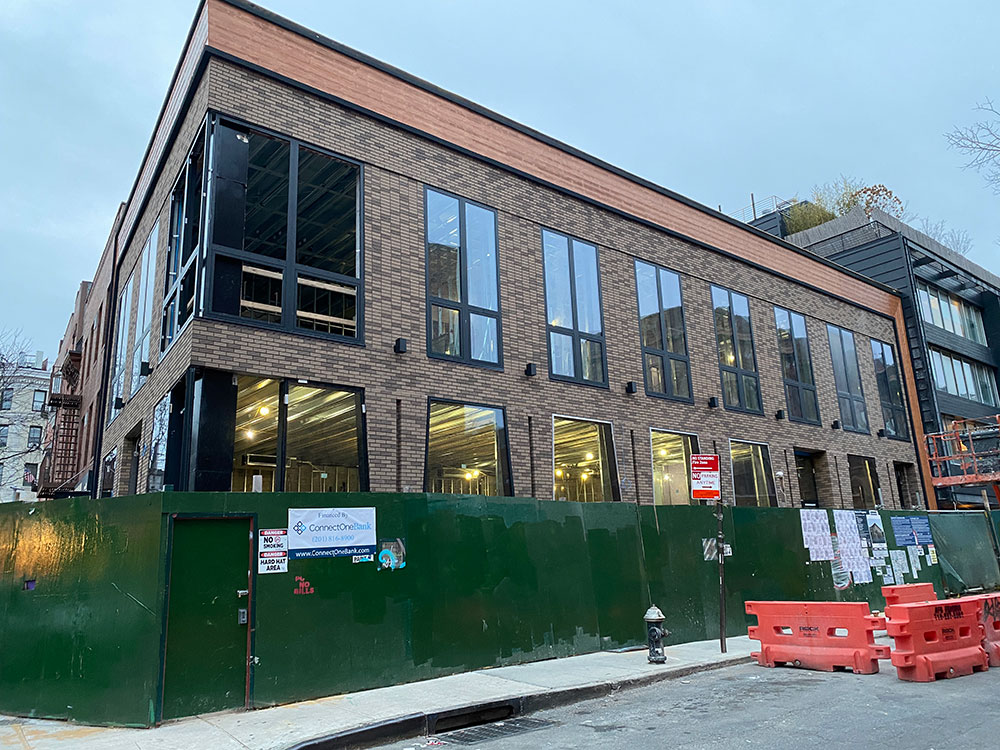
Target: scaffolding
column 967, row 455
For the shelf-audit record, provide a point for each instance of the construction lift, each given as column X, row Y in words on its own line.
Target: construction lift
column 967, row 455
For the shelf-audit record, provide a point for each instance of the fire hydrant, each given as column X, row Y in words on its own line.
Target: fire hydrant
column 655, row 633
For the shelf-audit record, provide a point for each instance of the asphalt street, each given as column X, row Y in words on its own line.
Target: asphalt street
column 753, row 707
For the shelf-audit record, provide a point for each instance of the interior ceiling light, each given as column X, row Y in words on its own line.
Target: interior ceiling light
column 590, row 456
column 468, row 475
column 250, row 434
column 264, row 411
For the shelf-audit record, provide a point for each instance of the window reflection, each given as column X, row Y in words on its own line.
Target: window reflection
column 672, row 467
column 467, row 450
column 585, row 469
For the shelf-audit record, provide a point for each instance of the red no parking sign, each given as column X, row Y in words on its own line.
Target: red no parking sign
column 705, row 480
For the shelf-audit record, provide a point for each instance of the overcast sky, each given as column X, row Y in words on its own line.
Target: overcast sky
column 712, row 99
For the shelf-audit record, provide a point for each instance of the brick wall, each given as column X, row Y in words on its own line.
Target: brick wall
column 397, row 167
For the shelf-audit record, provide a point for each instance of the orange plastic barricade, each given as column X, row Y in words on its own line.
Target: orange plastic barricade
column 935, row 640
column 909, row 592
column 817, row 635
column 988, row 610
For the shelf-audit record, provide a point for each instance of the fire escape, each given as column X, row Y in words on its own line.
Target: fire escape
column 59, row 467
column 967, row 455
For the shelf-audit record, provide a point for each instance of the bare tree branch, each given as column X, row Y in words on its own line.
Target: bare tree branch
column 981, row 143
column 954, row 239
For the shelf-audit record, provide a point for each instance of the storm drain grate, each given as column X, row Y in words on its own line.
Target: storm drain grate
column 487, row 732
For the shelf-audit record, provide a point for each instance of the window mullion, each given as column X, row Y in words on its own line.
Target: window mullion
column 289, row 284
column 464, row 319
column 577, row 356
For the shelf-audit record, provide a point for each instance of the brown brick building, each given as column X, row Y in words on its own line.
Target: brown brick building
column 331, row 276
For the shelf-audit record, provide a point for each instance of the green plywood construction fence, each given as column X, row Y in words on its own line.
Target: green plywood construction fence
column 487, row 582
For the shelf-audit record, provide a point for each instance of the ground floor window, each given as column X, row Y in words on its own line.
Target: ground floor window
column 467, row 452
column 108, row 471
column 672, row 467
column 753, row 480
column 805, row 471
column 864, row 482
column 584, row 457
column 295, row 436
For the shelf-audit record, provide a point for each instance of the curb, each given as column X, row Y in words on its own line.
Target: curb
column 428, row 724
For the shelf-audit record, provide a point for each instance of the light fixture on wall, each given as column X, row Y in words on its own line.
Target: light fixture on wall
column 530, row 370
column 631, row 387
column 780, row 414
column 881, row 433
column 400, row 346
column 713, row 402
column 836, row 424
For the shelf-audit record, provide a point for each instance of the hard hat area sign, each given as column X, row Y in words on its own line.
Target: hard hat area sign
column 705, row 477
column 272, row 551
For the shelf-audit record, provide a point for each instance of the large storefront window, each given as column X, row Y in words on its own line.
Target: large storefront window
column 467, row 450
column 672, row 467
column 585, row 469
column 753, row 480
column 322, row 440
column 311, row 432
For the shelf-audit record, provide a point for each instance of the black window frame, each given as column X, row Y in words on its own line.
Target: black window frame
column 509, row 480
column 288, row 267
column 789, row 382
column 281, row 448
column 664, row 353
column 38, row 404
column 574, row 333
column 855, row 400
column 740, row 371
column 174, row 278
column 898, row 411
column 465, row 310
column 7, row 399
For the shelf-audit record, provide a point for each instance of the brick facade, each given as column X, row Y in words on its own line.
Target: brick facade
column 397, row 167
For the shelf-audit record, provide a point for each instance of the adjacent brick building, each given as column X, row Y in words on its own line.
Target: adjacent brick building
column 322, row 256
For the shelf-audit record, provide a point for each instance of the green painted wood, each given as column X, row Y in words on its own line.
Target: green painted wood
column 964, row 541
column 205, row 667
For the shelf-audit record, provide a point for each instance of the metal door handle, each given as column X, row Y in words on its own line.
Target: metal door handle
column 241, row 592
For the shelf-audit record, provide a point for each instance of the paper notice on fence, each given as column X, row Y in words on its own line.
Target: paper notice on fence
column 816, row 533
column 899, row 565
column 932, row 554
column 887, row 577
column 914, row 559
column 853, row 551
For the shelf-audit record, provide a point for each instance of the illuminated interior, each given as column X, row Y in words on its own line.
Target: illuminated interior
column 321, row 437
column 584, row 461
column 467, row 450
column 672, row 467
column 753, row 481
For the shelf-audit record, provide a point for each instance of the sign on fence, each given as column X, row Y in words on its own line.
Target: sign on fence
column 331, row 532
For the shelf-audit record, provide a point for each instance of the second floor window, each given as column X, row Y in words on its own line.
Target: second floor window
column 847, row 377
column 796, row 366
column 463, row 288
column 121, row 343
column 38, row 401
column 573, row 305
column 890, row 389
column 144, row 311
column 661, row 330
column 34, row 437
column 737, row 361
column 285, row 234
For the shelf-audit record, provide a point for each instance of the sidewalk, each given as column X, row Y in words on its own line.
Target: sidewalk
column 392, row 712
